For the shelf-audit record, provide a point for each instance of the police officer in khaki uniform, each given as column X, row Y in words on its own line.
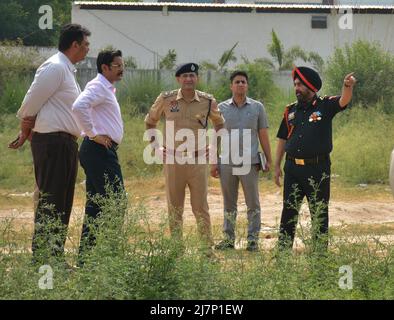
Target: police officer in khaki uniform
column 187, row 111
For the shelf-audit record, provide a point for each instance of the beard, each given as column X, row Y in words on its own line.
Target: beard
column 303, row 97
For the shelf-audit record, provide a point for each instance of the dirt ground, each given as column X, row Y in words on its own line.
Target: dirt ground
column 369, row 215
column 341, row 212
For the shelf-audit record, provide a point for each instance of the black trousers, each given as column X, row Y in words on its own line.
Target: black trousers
column 312, row 181
column 55, row 157
column 101, row 168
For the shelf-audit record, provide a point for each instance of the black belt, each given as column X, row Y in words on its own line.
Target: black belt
column 114, row 145
column 315, row 160
column 58, row 134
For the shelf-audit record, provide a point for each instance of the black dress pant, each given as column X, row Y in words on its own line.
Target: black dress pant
column 312, row 181
column 55, row 157
column 103, row 171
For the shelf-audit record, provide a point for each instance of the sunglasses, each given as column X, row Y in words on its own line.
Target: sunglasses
column 118, row 65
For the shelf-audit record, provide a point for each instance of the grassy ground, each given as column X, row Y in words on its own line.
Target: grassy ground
column 141, row 262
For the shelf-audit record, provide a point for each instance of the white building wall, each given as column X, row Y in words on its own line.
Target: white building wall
column 198, row 36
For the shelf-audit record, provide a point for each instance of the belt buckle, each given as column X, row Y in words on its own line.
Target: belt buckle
column 300, row 162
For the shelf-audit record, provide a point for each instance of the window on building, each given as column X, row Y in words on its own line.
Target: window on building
column 319, row 22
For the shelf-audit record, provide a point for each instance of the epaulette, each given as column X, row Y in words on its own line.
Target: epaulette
column 330, row 97
column 291, row 105
column 204, row 95
column 167, row 94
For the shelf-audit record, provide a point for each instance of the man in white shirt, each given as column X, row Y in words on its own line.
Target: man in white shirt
column 46, row 116
column 98, row 114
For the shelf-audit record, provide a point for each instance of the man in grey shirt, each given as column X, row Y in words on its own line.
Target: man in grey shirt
column 246, row 127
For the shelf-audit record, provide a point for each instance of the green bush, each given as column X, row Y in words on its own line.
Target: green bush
column 362, row 145
column 261, row 84
column 17, row 68
column 12, row 93
column 374, row 70
column 136, row 96
column 15, row 59
column 220, row 88
column 132, row 148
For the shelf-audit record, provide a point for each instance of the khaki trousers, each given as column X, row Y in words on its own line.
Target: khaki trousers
column 195, row 176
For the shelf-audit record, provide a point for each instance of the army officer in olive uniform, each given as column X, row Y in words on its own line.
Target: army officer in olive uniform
column 305, row 134
column 186, row 108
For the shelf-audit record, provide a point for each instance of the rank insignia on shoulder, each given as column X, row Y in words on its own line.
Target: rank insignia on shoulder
column 330, row 97
column 167, row 94
column 205, row 95
column 291, row 104
column 316, row 116
column 291, row 116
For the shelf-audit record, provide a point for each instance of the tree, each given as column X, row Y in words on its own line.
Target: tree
column 275, row 49
column 168, row 62
column 130, row 62
column 22, row 18
column 287, row 58
column 291, row 55
column 227, row 56
column 316, row 60
column 14, row 14
column 207, row 65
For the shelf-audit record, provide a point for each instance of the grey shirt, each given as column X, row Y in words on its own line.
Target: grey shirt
column 250, row 116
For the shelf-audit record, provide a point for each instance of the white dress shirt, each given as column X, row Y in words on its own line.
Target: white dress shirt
column 51, row 96
column 97, row 110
